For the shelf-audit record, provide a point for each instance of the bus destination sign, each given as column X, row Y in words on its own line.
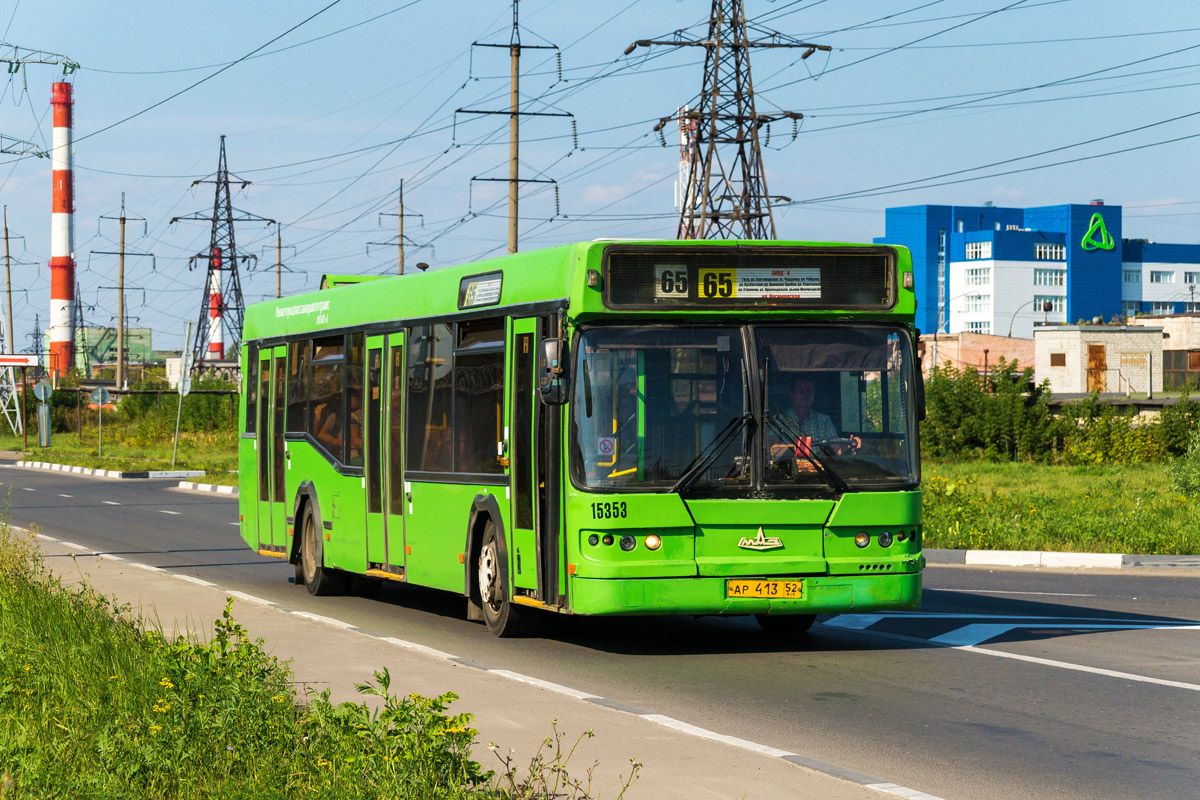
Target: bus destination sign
column 745, row 282
column 477, row 291
column 751, row 276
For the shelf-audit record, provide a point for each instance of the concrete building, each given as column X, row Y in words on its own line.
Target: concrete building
column 972, row 350
column 1099, row 358
column 1181, row 348
column 1002, row 271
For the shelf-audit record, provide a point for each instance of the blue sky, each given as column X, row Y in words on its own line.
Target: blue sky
column 327, row 120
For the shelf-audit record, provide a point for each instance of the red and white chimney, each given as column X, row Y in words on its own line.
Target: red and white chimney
column 62, row 234
column 216, row 345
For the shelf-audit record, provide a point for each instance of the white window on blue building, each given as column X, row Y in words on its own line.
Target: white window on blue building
column 1162, row 308
column 1130, row 308
column 978, row 302
column 979, row 327
column 1049, row 277
column 1162, row 276
column 1132, row 275
column 1192, row 308
column 1191, row 277
column 1058, row 305
column 979, row 250
column 1047, row 251
column 979, row 276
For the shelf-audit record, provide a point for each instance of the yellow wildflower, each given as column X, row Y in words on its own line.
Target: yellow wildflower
column 166, row 684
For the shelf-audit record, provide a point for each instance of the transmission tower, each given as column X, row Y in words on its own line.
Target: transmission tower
column 221, row 305
column 725, row 194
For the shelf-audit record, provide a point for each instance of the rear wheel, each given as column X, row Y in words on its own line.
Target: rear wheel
column 503, row 618
column 311, row 570
column 785, row 624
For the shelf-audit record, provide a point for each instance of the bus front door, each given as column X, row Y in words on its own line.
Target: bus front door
column 393, row 463
column 522, row 544
column 373, row 439
column 272, row 371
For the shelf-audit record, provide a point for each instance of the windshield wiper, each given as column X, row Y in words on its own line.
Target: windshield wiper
column 707, row 456
column 822, row 468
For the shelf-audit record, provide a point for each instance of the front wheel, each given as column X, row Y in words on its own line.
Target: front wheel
column 311, row 570
column 502, row 617
column 785, row 624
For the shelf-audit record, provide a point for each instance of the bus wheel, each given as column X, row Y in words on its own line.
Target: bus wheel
column 317, row 579
column 785, row 624
column 502, row 617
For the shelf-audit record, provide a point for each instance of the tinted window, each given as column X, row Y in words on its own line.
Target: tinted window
column 430, row 353
column 297, row 397
column 354, row 400
column 252, row 390
column 478, row 399
column 325, row 395
column 396, row 430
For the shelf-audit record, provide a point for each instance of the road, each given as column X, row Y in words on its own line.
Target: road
column 1020, row 684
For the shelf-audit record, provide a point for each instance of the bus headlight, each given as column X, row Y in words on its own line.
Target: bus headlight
column 885, row 539
column 628, row 542
column 653, row 542
column 862, row 539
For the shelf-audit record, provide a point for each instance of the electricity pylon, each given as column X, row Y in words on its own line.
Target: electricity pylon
column 725, row 196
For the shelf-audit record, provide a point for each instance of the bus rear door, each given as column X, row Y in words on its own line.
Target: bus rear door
column 373, row 438
column 393, row 474
column 522, row 544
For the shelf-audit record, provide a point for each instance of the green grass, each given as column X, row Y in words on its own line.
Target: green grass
column 92, row 705
column 215, row 453
column 1022, row 506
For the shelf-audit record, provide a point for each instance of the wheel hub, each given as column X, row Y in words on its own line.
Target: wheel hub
column 487, row 574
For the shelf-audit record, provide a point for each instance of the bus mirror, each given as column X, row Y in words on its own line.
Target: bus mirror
column 552, row 374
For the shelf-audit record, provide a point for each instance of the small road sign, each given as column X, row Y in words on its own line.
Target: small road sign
column 18, row 360
column 100, row 396
column 42, row 390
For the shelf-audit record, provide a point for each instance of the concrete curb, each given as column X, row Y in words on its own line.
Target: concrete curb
column 108, row 473
column 1034, row 558
column 207, row 487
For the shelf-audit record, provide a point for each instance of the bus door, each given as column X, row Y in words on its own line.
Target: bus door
column 547, row 478
column 394, row 499
column 373, row 439
column 272, row 371
column 522, row 543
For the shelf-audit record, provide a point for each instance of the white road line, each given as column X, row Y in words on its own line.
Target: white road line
column 420, row 648
column 236, row 523
column 1005, row 591
column 704, row 733
column 852, row 621
column 66, row 495
column 110, row 503
column 553, row 687
column 1081, row 668
column 27, row 489
column 164, row 511
column 901, row 791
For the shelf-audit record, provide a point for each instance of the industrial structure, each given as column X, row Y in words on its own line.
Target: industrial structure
column 62, row 233
column 724, row 194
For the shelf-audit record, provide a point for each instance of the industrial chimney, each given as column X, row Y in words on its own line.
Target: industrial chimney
column 62, row 234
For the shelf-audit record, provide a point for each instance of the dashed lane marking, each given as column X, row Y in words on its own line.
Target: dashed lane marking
column 1005, row 591
column 164, row 511
column 831, row 770
column 66, row 495
column 27, row 489
column 110, row 502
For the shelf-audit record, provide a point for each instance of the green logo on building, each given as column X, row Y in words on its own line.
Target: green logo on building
column 1097, row 236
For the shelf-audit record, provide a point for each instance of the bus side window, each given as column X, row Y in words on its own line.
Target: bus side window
column 297, row 395
column 251, row 389
column 354, row 399
column 430, row 358
column 325, row 395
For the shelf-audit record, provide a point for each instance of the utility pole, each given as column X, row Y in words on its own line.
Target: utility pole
column 400, row 237
column 280, row 267
column 220, row 307
column 121, row 253
column 726, row 195
column 8, row 328
column 515, row 113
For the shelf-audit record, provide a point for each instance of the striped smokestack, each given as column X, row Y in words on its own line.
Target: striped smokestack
column 62, row 234
column 216, row 344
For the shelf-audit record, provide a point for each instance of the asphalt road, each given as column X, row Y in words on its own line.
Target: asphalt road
column 1007, row 683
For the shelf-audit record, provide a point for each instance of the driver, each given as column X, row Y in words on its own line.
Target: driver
column 811, row 426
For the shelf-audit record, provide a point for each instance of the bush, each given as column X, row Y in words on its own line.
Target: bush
column 1184, row 472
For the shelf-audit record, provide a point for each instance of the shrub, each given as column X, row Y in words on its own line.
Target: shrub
column 1184, row 472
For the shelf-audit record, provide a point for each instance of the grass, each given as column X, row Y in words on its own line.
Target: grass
column 92, row 705
column 1022, row 506
column 215, row 452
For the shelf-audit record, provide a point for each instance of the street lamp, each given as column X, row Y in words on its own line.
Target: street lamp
column 1047, row 307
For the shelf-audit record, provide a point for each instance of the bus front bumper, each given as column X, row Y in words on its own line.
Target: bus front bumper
column 820, row 594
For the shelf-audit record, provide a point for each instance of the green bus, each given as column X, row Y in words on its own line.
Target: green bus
column 612, row 427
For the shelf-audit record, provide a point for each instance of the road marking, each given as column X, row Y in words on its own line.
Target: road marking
column 1081, row 668
column 900, row 791
column 970, row 635
column 1004, row 591
column 27, row 489
column 66, row 495
column 164, row 511
column 236, row 523
column 110, row 503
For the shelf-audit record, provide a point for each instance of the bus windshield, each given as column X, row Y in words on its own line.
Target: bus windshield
column 815, row 408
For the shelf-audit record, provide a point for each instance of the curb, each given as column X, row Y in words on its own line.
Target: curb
column 1035, row 558
column 108, row 473
column 207, row 487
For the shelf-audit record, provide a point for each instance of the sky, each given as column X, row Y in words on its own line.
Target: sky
column 327, row 106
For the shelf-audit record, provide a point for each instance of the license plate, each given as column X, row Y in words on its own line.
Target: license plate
column 781, row 590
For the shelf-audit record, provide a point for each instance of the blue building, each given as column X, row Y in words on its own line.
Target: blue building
column 986, row 269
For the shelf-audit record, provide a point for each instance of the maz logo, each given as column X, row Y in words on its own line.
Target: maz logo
column 761, row 542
